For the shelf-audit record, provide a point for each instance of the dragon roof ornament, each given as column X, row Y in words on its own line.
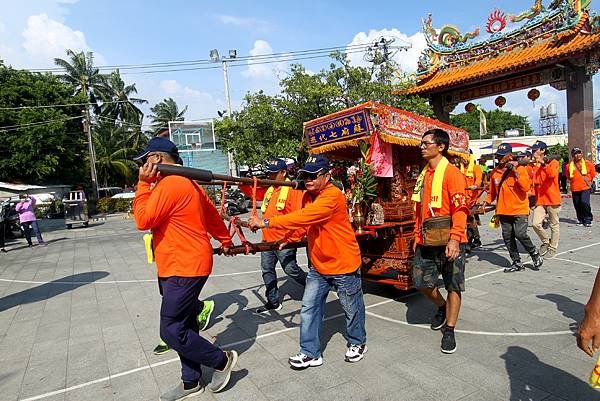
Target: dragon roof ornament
column 448, row 47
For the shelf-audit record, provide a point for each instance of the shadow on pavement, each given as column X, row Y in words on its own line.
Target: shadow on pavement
column 50, row 289
column 569, row 308
column 528, row 383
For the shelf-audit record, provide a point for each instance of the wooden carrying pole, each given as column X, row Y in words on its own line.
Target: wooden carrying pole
column 259, row 247
column 208, row 177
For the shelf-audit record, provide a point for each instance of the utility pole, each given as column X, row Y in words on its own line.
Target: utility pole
column 87, row 126
column 214, row 57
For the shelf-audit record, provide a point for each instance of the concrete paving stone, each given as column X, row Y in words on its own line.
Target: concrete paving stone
column 11, row 377
column 140, row 384
column 507, row 386
column 263, row 368
column 240, row 388
column 482, row 395
column 48, row 351
column 296, row 387
column 57, row 331
column 42, row 378
column 94, row 392
column 124, row 357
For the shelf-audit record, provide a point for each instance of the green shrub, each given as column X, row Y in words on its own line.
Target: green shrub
column 110, row 205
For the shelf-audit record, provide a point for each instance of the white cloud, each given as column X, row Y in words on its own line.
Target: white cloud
column 45, row 39
column 244, row 22
column 407, row 59
column 200, row 104
column 265, row 76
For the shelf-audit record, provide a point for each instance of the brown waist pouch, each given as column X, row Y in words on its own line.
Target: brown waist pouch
column 436, row 230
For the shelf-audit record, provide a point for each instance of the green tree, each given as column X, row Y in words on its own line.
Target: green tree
column 82, row 76
column 165, row 111
column 498, row 121
column 114, row 163
column 42, row 145
column 271, row 126
column 120, row 105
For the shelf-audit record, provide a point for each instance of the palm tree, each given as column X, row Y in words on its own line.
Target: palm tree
column 82, row 75
column 120, row 106
column 113, row 157
column 165, row 111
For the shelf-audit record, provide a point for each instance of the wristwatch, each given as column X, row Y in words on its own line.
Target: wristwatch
column 266, row 223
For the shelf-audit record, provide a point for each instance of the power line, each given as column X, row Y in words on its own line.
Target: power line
column 208, row 61
column 35, row 124
column 50, row 106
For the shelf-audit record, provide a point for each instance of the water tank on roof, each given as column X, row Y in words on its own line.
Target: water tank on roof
column 551, row 109
column 511, row 132
column 543, row 113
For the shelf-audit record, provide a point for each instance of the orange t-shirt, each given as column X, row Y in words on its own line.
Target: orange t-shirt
column 512, row 200
column 577, row 182
column 332, row 245
column 532, row 171
column 547, row 188
column 454, row 203
column 293, row 202
column 181, row 217
column 476, row 180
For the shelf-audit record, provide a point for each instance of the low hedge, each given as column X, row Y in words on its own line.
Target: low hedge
column 112, row 205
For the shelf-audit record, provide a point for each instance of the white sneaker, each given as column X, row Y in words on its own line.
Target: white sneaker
column 303, row 361
column 355, row 353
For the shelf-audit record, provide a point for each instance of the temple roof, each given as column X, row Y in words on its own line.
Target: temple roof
column 537, row 55
column 533, row 39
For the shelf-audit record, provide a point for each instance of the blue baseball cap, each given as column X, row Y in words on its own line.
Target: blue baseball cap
column 276, row 166
column 159, row 144
column 539, row 145
column 504, row 149
column 315, row 163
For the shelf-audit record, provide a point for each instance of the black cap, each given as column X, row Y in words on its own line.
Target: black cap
column 159, row 144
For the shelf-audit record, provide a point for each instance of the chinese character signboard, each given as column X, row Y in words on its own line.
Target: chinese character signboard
column 337, row 128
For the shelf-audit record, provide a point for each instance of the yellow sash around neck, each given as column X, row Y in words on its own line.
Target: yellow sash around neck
column 572, row 168
column 469, row 173
column 436, row 189
column 281, row 199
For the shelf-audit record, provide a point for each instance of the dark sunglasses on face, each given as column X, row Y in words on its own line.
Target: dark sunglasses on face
column 310, row 176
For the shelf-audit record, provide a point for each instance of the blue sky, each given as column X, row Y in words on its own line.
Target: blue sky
column 33, row 32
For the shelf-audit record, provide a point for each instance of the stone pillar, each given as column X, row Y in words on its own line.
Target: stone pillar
column 580, row 109
column 437, row 103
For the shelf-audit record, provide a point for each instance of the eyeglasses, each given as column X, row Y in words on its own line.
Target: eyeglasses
column 149, row 155
column 310, row 176
column 426, row 144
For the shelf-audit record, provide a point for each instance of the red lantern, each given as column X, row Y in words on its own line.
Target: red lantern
column 533, row 95
column 469, row 107
column 500, row 101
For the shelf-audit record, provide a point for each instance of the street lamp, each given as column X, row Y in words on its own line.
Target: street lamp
column 214, row 57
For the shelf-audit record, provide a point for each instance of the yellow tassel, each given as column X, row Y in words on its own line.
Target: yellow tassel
column 494, row 222
column 595, row 375
column 149, row 249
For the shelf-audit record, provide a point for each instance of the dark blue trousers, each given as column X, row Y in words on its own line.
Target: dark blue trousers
column 583, row 209
column 179, row 327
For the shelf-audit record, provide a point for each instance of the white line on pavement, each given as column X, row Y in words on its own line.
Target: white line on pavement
column 577, row 262
column 168, row 361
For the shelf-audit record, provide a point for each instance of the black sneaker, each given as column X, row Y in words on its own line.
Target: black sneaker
column 303, row 361
column 587, row 224
column 448, row 342
column 515, row 267
column 439, row 319
column 161, row 348
column 537, row 260
column 268, row 307
column 476, row 243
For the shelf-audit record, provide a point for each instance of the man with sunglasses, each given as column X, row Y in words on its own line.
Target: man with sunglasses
column 279, row 201
column 335, row 263
column 440, row 191
column 181, row 217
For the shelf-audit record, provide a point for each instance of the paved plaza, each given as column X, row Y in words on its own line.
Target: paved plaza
column 79, row 320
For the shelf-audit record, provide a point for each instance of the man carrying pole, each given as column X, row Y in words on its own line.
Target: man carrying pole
column 335, row 263
column 181, row 217
column 278, row 201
